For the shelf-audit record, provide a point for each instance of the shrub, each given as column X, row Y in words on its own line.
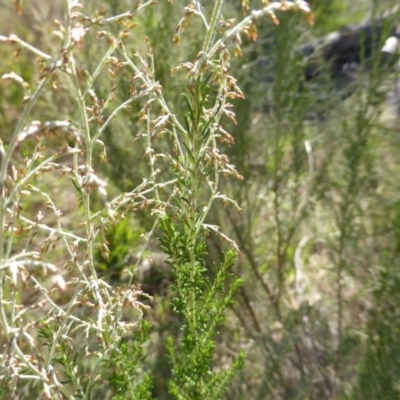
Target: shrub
column 67, row 332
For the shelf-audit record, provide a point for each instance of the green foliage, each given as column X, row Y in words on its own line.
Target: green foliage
column 380, row 368
column 202, row 304
column 335, row 14
column 121, row 238
column 125, row 365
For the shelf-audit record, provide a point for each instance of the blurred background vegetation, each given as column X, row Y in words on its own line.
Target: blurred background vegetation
column 319, row 310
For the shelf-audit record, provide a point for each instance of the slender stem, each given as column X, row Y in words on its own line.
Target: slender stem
column 159, row 98
column 116, row 111
column 6, row 158
column 100, row 66
column 256, row 14
column 200, row 13
column 25, row 45
column 213, row 26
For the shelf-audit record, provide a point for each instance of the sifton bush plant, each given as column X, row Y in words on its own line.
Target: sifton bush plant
column 65, row 332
